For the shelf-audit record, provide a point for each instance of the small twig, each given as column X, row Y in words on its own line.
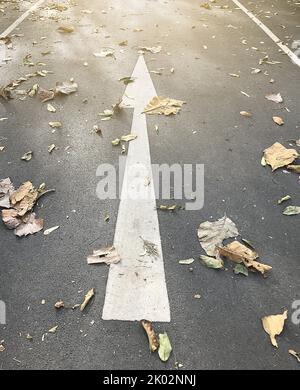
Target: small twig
column 150, row 248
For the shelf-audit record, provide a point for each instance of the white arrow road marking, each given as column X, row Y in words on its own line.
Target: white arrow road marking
column 278, row 42
column 136, row 287
column 20, row 19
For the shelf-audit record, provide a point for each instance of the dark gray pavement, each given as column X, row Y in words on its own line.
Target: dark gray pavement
column 222, row 330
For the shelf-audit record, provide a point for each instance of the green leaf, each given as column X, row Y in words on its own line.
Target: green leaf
column 240, row 269
column 211, row 262
column 165, row 347
column 291, row 210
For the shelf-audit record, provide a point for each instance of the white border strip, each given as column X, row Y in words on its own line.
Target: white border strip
column 20, row 19
column 274, row 38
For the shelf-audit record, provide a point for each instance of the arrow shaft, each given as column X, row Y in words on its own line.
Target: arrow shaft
column 136, row 287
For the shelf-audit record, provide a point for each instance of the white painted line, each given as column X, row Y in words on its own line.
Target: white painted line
column 20, row 19
column 278, row 42
column 136, row 287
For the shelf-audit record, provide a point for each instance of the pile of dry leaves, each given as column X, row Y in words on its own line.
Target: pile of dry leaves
column 17, row 205
column 211, row 236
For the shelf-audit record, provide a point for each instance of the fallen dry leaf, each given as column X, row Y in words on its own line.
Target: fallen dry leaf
column 278, row 120
column 186, row 261
column 278, row 156
column 6, row 189
column 107, row 255
column 6, row 41
column 166, row 106
column 66, row 29
column 295, row 354
column 128, row 137
column 24, row 198
column 116, row 141
column 284, row 199
column 10, row 218
column 29, row 225
column 21, row 201
column 50, row 108
column 167, row 208
column 5, row 92
column 239, row 253
column 51, row 148
column 105, row 52
column 53, row 330
column 291, row 210
column 59, row 304
column 294, row 168
column 89, row 295
column 153, row 341
column 153, row 49
column 33, row 91
column 50, row 230
column 55, row 125
column 45, row 94
column 246, row 113
column 66, row 87
column 266, row 60
column 273, row 325
column 27, row 156
column 58, row 6
column 127, row 80
column 212, row 234
column 274, row 97
column 205, row 5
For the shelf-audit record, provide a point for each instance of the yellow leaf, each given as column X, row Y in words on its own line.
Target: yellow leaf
column 278, row 156
column 278, row 120
column 87, row 298
column 273, row 325
column 166, row 106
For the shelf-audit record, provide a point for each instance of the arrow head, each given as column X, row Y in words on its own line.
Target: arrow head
column 139, row 93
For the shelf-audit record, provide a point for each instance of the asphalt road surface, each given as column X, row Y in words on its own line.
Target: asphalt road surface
column 222, row 329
